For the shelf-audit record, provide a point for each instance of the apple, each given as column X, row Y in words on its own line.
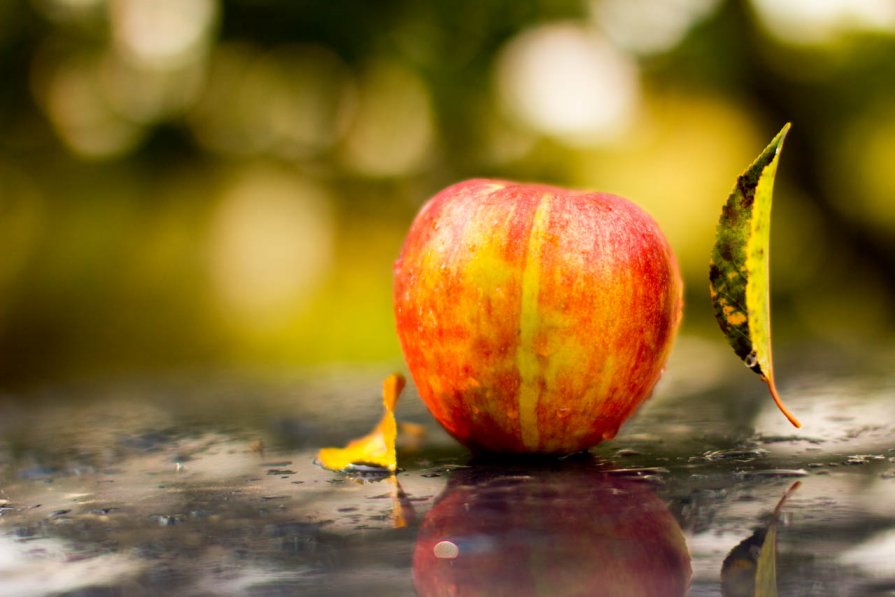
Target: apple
column 543, row 532
column 534, row 319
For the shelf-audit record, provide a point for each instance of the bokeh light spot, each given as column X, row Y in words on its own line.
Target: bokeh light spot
column 270, row 244
column 293, row 102
column 393, row 130
column 162, row 32
column 865, row 189
column 70, row 90
column 565, row 80
column 649, row 26
column 148, row 95
column 818, row 22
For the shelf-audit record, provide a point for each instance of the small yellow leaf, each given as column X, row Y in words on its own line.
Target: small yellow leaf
column 376, row 449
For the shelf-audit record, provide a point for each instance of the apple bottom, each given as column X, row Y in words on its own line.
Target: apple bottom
column 566, row 420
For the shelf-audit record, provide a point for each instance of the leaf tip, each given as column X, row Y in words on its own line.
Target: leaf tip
column 777, row 142
column 392, row 388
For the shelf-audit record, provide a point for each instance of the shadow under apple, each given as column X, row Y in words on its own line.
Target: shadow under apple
column 560, row 529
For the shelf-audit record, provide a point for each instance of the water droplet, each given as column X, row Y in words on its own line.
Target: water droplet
column 778, row 472
column 166, row 520
column 644, row 471
column 735, row 454
column 864, row 458
column 446, row 550
column 751, row 360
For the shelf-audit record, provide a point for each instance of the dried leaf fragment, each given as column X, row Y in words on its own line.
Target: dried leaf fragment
column 376, row 449
column 739, row 273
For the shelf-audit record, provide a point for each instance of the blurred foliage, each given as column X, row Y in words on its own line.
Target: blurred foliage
column 188, row 183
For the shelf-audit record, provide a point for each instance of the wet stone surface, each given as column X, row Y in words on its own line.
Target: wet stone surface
column 208, row 486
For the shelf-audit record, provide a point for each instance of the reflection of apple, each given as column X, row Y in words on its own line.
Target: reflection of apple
column 549, row 532
column 533, row 318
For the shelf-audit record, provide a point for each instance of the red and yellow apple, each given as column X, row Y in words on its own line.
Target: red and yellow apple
column 534, row 319
column 549, row 532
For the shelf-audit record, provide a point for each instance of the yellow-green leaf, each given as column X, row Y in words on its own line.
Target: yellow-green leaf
column 750, row 569
column 376, row 449
column 766, row 566
column 739, row 274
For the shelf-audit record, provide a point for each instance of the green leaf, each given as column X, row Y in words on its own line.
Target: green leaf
column 739, row 274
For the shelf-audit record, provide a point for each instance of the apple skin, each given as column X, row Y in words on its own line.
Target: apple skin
column 534, row 319
column 541, row 532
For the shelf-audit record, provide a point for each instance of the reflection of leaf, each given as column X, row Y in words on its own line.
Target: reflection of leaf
column 738, row 573
column 750, row 569
column 411, row 435
column 403, row 512
column 766, row 567
column 377, row 449
column 739, row 275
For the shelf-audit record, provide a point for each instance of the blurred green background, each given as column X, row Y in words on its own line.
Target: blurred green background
column 205, row 183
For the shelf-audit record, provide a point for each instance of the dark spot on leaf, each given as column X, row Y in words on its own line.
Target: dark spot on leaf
column 729, row 213
column 726, row 251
